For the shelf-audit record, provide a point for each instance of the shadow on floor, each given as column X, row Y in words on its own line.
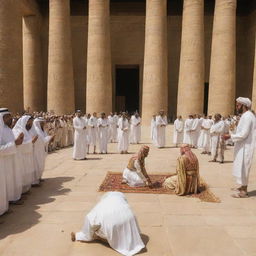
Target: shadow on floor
column 23, row 217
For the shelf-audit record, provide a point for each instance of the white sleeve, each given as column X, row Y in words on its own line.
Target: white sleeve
column 8, row 149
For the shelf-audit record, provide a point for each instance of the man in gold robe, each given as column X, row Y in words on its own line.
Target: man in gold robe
column 186, row 179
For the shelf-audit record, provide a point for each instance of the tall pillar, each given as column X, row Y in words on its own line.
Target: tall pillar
column 254, row 81
column 155, row 88
column 11, row 84
column 34, row 94
column 99, row 77
column 223, row 59
column 60, row 94
column 191, row 76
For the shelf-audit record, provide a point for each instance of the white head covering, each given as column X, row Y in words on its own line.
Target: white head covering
column 37, row 126
column 245, row 101
column 20, row 127
column 3, row 111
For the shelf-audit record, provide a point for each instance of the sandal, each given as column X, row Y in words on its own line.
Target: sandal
column 241, row 194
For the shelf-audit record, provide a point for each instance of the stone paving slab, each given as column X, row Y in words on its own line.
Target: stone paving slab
column 171, row 225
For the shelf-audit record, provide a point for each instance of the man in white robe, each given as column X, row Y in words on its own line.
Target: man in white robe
column 112, row 120
column 245, row 139
column 187, row 139
column 153, row 129
column 178, row 127
column 135, row 133
column 123, row 134
column 40, row 148
column 92, row 123
column 103, row 125
column 4, row 205
column 161, row 123
column 195, row 130
column 25, row 150
column 80, row 147
column 8, row 156
column 216, row 131
column 113, row 221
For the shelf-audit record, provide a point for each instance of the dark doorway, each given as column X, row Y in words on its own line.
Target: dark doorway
column 127, row 88
column 206, row 93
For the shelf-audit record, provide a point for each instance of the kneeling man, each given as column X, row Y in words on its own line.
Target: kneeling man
column 135, row 173
column 186, row 179
column 113, row 221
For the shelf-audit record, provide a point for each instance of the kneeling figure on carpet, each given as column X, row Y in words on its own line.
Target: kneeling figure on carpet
column 186, row 179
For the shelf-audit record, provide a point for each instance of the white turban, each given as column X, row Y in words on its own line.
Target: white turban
column 245, row 101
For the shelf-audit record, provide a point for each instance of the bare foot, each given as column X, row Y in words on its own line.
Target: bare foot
column 73, row 237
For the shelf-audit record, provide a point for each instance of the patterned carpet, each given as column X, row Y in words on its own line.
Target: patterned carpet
column 112, row 182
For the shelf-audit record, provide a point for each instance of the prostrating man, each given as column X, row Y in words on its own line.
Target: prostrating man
column 186, row 179
column 216, row 131
column 113, row 221
column 8, row 157
column 103, row 133
column 79, row 149
column 135, row 133
column 178, row 131
column 161, row 123
column 245, row 139
column 40, row 148
column 123, row 134
column 93, row 133
column 187, row 139
column 135, row 173
column 25, row 150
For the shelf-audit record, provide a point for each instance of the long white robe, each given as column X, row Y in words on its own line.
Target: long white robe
column 4, row 205
column 103, row 134
column 80, row 145
column 25, row 153
column 10, row 167
column 40, row 150
column 216, row 131
column 204, row 140
column 135, row 133
column 195, row 131
column 245, row 139
column 123, row 135
column 161, row 123
column 178, row 127
column 187, row 139
column 112, row 128
column 93, row 131
column 112, row 219
column 153, row 131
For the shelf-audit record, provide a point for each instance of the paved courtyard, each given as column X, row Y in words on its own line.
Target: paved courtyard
column 171, row 225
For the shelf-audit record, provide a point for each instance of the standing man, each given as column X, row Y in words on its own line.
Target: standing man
column 187, row 130
column 103, row 133
column 161, row 123
column 92, row 123
column 178, row 131
column 244, row 138
column 79, row 149
column 135, row 128
column 153, row 129
column 112, row 120
column 123, row 137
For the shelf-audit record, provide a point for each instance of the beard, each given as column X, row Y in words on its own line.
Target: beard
column 239, row 110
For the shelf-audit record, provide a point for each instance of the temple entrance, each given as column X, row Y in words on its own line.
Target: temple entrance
column 206, row 93
column 127, row 88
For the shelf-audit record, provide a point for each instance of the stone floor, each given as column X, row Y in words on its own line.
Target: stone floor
column 170, row 225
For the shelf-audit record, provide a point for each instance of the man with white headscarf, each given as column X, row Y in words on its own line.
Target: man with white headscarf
column 161, row 123
column 80, row 146
column 244, row 139
column 135, row 133
column 9, row 159
column 40, row 148
column 25, row 150
column 113, row 221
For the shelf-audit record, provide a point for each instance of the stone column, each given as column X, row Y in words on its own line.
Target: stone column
column 223, row 59
column 60, row 92
column 11, row 84
column 254, row 82
column 155, row 88
column 99, row 77
column 191, row 74
column 34, row 93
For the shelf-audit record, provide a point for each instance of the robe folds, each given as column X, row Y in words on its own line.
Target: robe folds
column 4, row 204
column 93, row 131
column 161, row 123
column 245, row 139
column 178, row 127
column 103, row 134
column 153, row 131
column 135, row 133
column 113, row 220
column 80, row 145
column 187, row 139
column 123, row 135
column 216, row 131
column 112, row 128
column 204, row 140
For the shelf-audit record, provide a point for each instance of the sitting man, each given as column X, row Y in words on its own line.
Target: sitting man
column 186, row 179
column 112, row 221
column 135, row 174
